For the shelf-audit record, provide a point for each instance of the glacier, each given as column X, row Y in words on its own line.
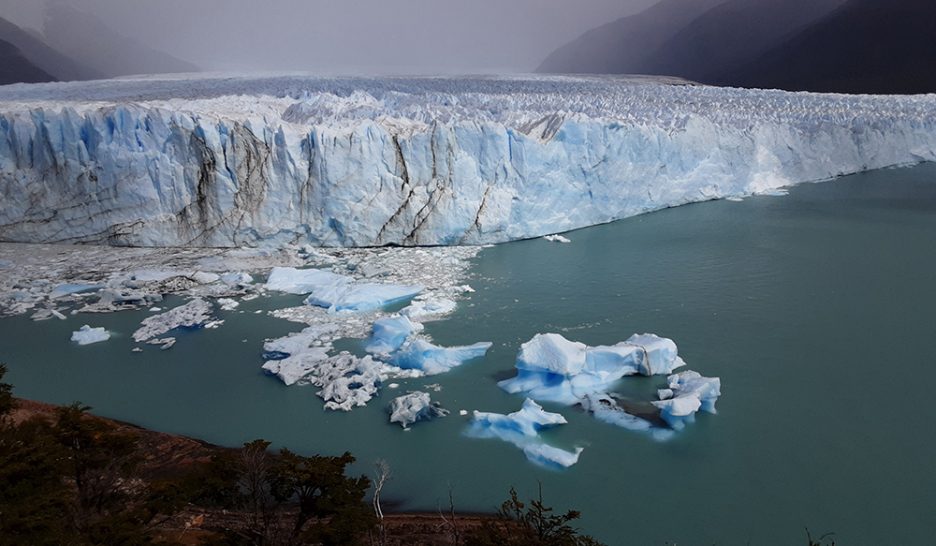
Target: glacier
column 345, row 162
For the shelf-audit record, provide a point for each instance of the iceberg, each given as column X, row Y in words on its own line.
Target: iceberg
column 429, row 309
column 412, row 407
column 552, row 368
column 522, row 428
column 390, row 333
column 194, row 314
column 302, row 281
column 432, row 359
column 87, row 335
column 691, row 392
column 352, row 296
column 360, row 162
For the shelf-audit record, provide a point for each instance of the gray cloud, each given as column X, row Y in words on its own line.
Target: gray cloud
column 402, row 36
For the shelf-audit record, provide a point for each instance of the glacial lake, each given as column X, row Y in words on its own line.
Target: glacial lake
column 815, row 309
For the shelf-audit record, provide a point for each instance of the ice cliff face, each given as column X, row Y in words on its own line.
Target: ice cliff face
column 433, row 161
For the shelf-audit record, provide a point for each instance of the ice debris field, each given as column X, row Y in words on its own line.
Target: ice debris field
column 239, row 161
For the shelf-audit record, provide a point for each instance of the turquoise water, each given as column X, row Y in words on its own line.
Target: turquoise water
column 815, row 309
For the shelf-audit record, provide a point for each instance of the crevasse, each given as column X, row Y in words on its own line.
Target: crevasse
column 417, row 161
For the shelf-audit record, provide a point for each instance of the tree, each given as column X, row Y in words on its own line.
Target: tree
column 535, row 525
column 331, row 504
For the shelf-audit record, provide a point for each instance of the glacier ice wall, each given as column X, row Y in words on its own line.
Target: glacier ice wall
column 420, row 161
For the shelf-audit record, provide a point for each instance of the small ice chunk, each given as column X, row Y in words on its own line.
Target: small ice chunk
column 664, row 394
column 390, row 333
column 360, row 296
column 557, row 239
column 412, row 407
column 393, row 386
column 302, row 281
column 57, row 314
column 227, row 304
column 426, row 309
column 551, row 457
column 193, row 314
column 202, row 277
column 463, row 412
column 236, row 278
column 87, row 335
column 136, row 350
column 432, row 359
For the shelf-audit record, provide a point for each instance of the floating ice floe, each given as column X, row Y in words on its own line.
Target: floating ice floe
column 552, row 368
column 87, row 335
column 194, row 314
column 431, row 359
column 557, row 239
column 429, row 309
column 688, row 393
column 68, row 289
column 227, row 304
column 390, row 333
column 301, row 281
column 415, row 406
column 353, row 296
column 522, row 428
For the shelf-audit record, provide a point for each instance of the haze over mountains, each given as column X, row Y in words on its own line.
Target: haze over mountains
column 94, row 51
column 850, row 46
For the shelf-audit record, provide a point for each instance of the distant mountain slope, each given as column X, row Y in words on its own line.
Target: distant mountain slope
column 866, row 46
column 37, row 52
column 733, row 34
column 623, row 46
column 16, row 68
column 93, row 43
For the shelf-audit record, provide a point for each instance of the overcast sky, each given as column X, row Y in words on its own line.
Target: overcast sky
column 402, row 36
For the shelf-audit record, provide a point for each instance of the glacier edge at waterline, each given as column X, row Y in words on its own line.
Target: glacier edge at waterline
column 418, row 161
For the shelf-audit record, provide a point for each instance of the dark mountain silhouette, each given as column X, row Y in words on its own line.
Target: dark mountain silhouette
column 866, row 46
column 93, row 43
column 733, row 34
column 16, row 68
column 32, row 47
column 623, row 46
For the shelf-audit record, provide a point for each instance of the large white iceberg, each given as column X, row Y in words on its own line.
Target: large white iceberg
column 552, row 368
column 413, row 161
column 522, row 428
column 87, row 335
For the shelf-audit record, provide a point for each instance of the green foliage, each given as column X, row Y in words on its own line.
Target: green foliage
column 535, row 525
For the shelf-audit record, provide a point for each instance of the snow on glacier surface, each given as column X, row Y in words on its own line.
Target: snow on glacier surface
column 413, row 161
